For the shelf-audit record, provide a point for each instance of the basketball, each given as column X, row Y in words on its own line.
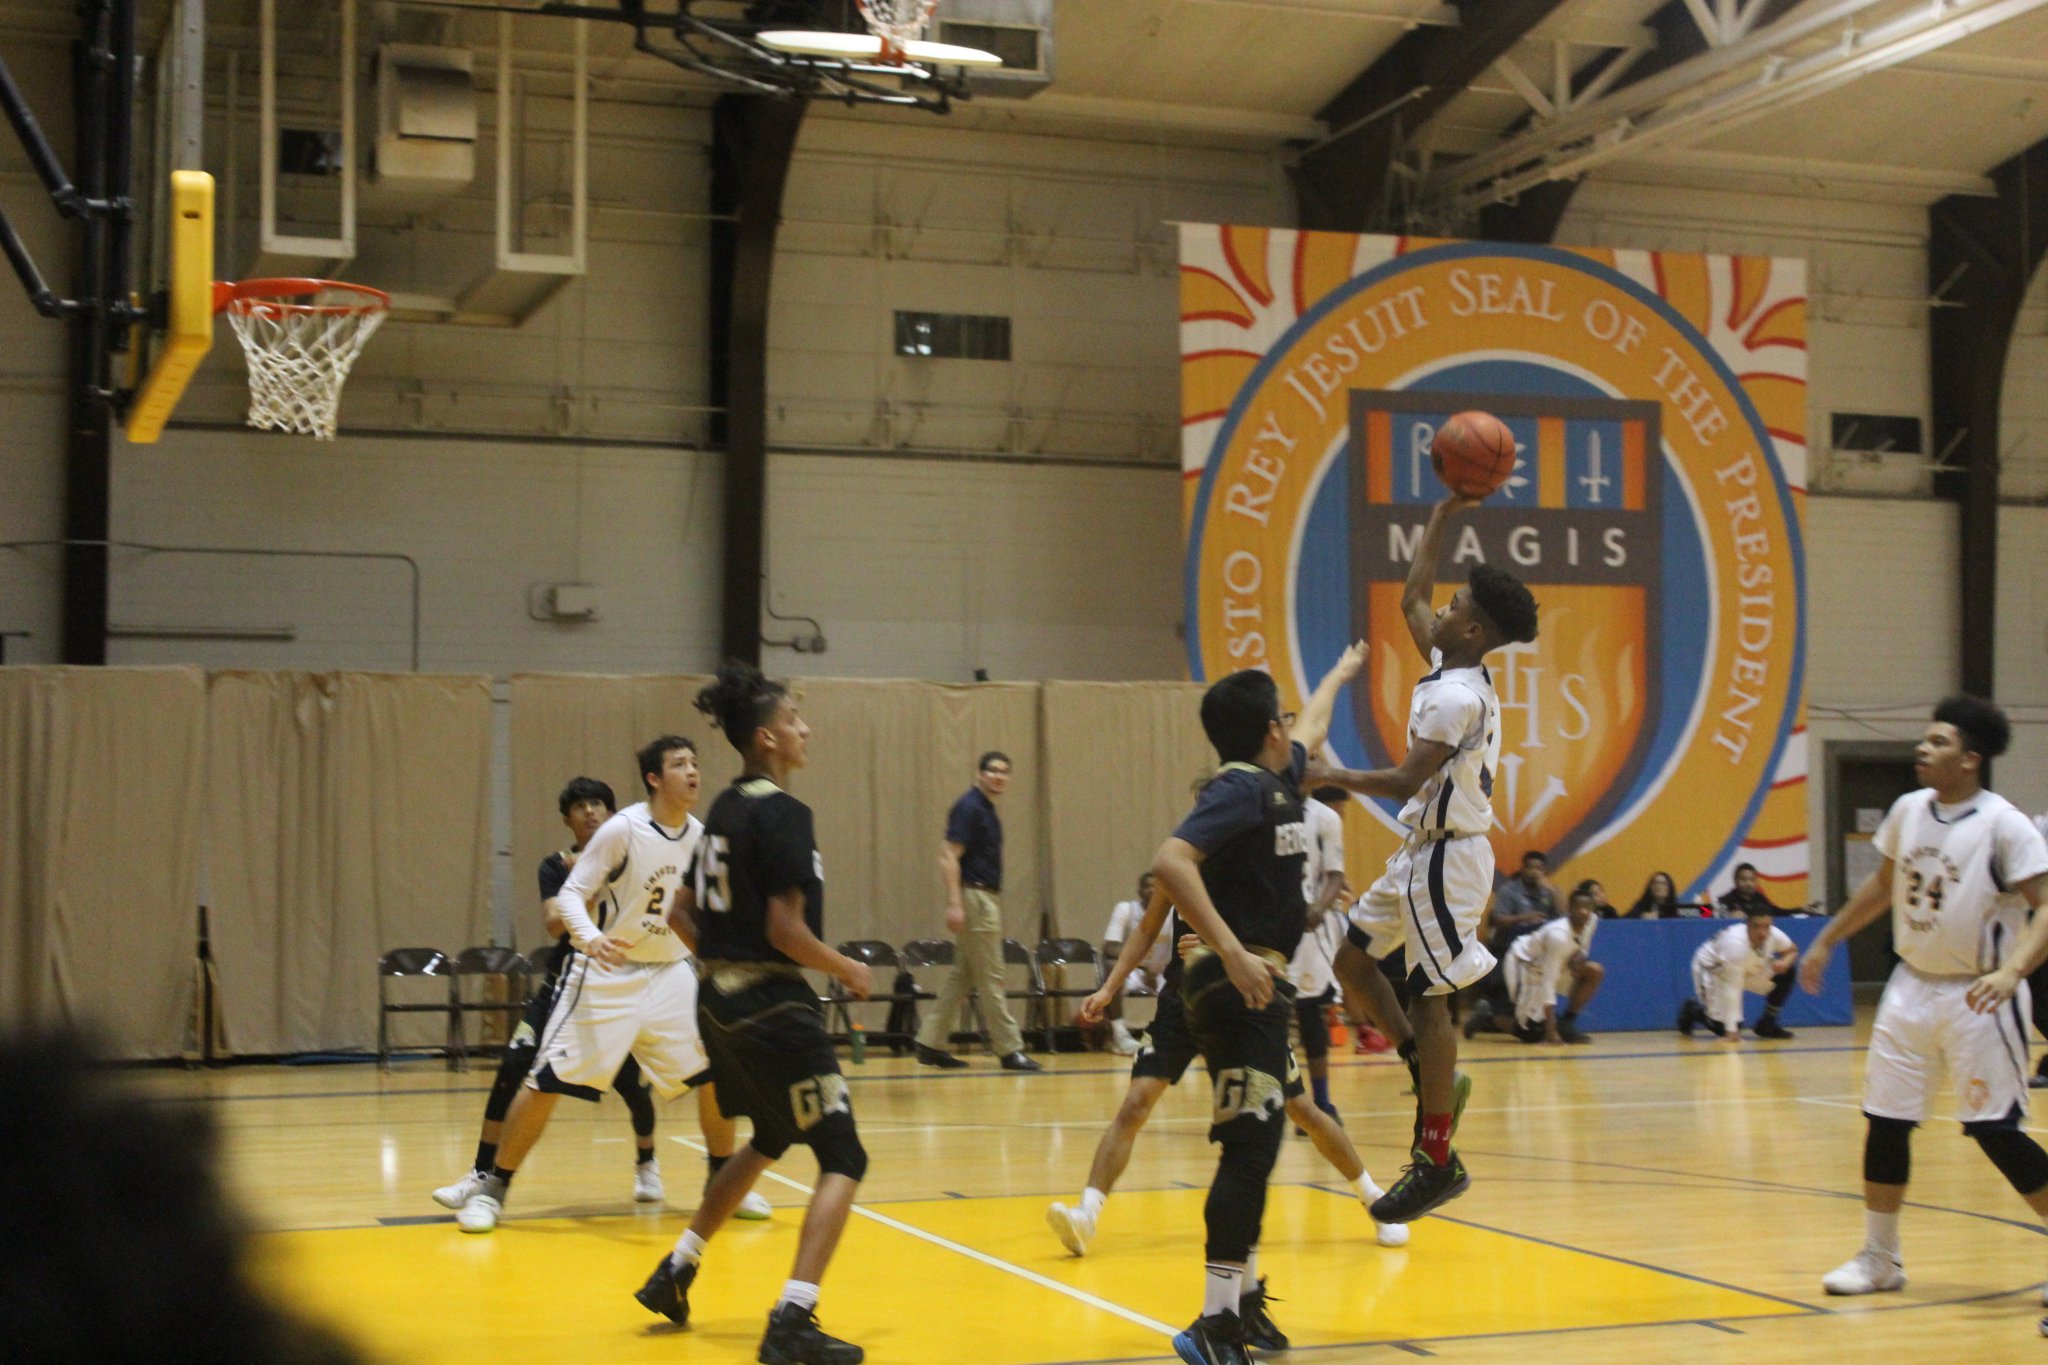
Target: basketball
column 1473, row 452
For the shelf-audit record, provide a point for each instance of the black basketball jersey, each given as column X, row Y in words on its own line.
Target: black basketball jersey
column 1248, row 823
column 757, row 843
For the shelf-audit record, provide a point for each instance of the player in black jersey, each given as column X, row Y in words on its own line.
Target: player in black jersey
column 1234, row 870
column 753, row 912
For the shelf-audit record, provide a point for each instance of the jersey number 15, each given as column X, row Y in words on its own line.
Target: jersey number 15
column 717, row 895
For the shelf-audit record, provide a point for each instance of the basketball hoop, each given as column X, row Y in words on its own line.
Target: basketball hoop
column 898, row 23
column 300, row 337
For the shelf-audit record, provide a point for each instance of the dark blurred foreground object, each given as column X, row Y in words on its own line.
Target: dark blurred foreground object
column 120, row 1243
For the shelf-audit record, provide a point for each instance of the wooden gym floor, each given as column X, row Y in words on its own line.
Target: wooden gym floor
column 1639, row 1199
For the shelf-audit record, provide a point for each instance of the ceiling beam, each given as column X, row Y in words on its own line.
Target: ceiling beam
column 1533, row 215
column 1341, row 184
column 1818, row 174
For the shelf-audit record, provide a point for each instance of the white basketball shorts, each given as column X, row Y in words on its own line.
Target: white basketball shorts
column 1532, row 988
column 647, row 1009
column 1430, row 899
column 1718, row 986
column 1926, row 1021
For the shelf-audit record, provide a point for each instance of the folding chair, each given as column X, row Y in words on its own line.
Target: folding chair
column 412, row 964
column 477, row 963
column 881, row 960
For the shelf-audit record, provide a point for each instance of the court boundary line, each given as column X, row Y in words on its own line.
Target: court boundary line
column 1129, row 1315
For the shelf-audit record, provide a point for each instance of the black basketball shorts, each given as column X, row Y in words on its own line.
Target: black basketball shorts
column 1168, row 1050
column 1251, row 1066
column 771, row 1058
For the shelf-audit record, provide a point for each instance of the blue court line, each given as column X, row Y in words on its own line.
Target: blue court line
column 1723, row 1327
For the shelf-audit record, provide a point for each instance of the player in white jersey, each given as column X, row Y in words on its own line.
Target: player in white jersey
column 1962, row 871
column 1147, row 978
column 632, row 987
column 1755, row 956
column 1544, row 962
column 1310, row 971
column 1436, row 884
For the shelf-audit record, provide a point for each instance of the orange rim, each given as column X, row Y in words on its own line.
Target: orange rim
column 276, row 295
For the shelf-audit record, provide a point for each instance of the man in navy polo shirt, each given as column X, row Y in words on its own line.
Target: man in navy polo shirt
column 971, row 862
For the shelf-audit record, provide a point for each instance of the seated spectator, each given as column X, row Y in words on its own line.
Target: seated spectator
column 1590, row 887
column 1739, row 899
column 1542, row 965
column 1755, row 956
column 1658, row 901
column 1520, row 903
column 1145, row 978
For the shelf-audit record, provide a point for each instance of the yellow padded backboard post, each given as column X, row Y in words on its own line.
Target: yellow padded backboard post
column 189, row 334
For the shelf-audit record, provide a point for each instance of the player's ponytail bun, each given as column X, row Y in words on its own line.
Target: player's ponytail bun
column 740, row 700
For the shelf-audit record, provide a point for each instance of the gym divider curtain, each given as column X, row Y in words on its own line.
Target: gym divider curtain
column 347, row 814
column 1122, row 761
column 100, row 801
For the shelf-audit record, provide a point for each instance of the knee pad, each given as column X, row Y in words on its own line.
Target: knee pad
column 639, row 1100
column 1888, row 1151
column 839, row 1151
column 2018, row 1157
column 512, row 1070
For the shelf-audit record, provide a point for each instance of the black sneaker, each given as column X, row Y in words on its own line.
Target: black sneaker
column 944, row 1061
column 1572, row 1033
column 1768, row 1027
column 667, row 1291
column 1215, row 1340
column 1688, row 1017
column 794, row 1338
column 1423, row 1187
column 1261, row 1333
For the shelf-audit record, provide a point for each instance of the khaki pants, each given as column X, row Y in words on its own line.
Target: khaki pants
column 978, row 967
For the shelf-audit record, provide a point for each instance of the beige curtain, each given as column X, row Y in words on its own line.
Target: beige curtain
column 347, row 814
column 100, row 780
column 1121, row 760
column 888, row 759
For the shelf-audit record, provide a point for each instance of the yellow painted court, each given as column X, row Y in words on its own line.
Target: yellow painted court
column 1641, row 1199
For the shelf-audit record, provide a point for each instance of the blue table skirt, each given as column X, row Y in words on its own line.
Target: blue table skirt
column 1649, row 971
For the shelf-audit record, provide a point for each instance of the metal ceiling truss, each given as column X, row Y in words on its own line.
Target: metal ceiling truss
column 1746, row 71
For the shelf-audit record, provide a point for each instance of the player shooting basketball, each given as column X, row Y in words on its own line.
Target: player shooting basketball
column 1436, row 883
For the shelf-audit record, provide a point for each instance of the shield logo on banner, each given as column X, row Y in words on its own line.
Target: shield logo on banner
column 1579, row 522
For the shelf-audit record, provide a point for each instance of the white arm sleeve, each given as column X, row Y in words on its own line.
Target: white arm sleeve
column 599, row 859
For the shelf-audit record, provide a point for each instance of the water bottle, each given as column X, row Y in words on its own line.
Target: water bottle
column 858, row 1041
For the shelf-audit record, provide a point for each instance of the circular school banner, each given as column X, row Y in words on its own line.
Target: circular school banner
column 1658, row 406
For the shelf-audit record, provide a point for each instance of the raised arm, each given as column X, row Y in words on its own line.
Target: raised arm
column 1312, row 726
column 1418, row 592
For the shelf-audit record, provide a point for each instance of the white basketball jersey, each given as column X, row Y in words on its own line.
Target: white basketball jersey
column 1731, row 950
column 1953, row 913
column 1455, row 706
column 629, row 874
column 1325, row 846
column 1549, row 948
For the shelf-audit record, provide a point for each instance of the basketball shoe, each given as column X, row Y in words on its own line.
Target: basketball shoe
column 667, row 1290
column 794, row 1338
column 1869, row 1271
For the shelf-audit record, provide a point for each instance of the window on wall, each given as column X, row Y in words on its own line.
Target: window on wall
column 1874, row 432
column 953, row 336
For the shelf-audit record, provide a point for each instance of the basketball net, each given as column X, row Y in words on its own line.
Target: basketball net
column 301, row 337
column 897, row 22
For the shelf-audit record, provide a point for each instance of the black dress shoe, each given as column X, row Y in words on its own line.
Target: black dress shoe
column 1018, row 1061
column 944, row 1061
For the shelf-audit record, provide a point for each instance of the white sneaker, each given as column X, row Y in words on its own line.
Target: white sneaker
column 1392, row 1234
column 456, row 1195
column 754, row 1208
column 1867, row 1272
column 647, row 1183
column 480, row 1214
column 1071, row 1226
column 1120, row 1040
